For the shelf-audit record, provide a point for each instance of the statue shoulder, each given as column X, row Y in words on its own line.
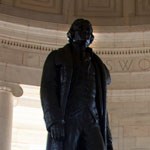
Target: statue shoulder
column 103, row 67
column 55, row 54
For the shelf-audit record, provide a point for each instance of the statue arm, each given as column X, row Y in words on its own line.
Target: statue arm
column 50, row 93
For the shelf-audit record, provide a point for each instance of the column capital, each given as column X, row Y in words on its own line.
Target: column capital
column 14, row 88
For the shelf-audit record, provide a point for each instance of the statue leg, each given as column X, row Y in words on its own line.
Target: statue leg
column 93, row 138
column 72, row 134
column 54, row 144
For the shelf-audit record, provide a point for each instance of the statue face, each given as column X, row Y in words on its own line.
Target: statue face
column 81, row 33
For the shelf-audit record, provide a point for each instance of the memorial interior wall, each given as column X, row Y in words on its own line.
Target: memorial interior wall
column 30, row 30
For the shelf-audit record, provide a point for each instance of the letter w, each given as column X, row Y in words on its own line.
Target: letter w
column 125, row 64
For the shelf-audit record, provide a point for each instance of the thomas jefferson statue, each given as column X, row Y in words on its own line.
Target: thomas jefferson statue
column 73, row 94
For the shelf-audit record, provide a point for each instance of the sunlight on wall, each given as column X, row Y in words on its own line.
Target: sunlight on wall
column 29, row 131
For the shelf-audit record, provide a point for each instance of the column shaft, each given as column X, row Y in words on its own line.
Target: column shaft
column 6, row 113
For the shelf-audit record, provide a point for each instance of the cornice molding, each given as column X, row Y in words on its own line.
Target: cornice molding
column 26, row 45
column 123, row 51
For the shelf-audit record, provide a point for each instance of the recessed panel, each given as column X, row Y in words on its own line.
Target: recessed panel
column 46, row 6
column 142, row 7
column 99, row 8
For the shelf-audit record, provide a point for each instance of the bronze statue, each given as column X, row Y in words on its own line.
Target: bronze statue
column 73, row 94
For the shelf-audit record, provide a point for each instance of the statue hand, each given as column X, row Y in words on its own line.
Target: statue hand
column 57, row 131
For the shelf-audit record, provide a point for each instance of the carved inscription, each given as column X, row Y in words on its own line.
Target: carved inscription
column 128, row 65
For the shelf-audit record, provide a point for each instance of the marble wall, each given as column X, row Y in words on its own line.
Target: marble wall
column 130, row 119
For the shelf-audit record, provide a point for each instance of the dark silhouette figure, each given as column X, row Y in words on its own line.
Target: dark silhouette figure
column 73, row 94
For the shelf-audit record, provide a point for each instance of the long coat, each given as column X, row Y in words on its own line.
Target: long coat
column 55, row 86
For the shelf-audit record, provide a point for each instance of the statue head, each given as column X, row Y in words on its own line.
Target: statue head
column 81, row 33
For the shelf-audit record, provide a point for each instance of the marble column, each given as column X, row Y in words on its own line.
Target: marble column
column 7, row 93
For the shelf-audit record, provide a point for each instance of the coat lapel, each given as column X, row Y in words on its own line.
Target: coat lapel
column 64, row 61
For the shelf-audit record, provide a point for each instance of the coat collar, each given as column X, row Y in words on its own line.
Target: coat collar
column 64, row 56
